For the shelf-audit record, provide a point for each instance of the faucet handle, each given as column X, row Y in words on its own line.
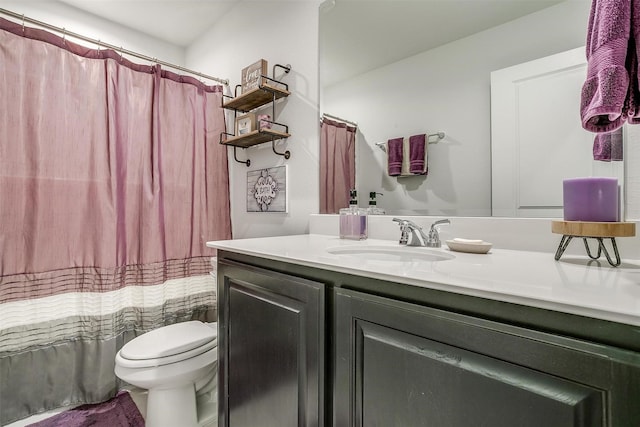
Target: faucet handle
column 433, row 239
column 440, row 222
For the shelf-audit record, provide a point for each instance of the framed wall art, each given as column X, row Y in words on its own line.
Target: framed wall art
column 267, row 190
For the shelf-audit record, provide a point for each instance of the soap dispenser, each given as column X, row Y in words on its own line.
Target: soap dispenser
column 353, row 220
column 373, row 208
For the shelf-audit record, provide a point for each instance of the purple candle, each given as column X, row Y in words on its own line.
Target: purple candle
column 593, row 199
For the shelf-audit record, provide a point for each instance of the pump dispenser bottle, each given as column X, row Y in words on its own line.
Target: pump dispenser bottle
column 373, row 208
column 353, row 220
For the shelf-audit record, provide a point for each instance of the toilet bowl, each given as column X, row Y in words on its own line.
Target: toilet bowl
column 177, row 364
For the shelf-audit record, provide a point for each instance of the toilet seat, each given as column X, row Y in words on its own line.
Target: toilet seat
column 168, row 344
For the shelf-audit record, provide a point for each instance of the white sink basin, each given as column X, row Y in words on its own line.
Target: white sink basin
column 391, row 253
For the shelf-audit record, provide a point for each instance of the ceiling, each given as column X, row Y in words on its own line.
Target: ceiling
column 179, row 22
column 355, row 35
column 361, row 35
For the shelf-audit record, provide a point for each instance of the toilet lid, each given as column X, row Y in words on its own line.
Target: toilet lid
column 169, row 340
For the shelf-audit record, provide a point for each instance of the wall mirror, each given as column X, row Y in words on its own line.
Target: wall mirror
column 400, row 68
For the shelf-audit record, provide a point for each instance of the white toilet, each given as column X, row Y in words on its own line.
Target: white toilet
column 178, row 365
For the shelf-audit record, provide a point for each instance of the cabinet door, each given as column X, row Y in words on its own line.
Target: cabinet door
column 271, row 348
column 398, row 364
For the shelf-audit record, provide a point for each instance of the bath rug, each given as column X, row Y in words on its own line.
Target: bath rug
column 120, row 411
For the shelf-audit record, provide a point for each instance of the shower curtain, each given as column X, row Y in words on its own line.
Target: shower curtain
column 337, row 165
column 111, row 181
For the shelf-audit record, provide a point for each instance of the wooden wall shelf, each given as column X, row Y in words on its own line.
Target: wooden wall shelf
column 255, row 137
column 256, row 98
column 266, row 93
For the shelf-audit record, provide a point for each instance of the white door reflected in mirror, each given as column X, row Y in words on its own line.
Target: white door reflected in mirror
column 535, row 142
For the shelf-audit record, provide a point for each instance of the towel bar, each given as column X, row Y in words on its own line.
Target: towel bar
column 440, row 135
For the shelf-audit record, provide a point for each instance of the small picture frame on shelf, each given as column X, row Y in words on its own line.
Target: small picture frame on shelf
column 246, row 124
column 252, row 76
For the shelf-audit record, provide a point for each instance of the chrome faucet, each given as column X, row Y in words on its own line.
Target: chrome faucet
column 411, row 234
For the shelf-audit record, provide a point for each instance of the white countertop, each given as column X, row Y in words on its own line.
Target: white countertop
column 575, row 284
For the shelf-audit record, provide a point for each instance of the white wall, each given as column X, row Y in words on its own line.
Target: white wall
column 446, row 89
column 77, row 21
column 283, row 32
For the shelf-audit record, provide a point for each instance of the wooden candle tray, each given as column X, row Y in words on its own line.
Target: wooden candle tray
column 593, row 230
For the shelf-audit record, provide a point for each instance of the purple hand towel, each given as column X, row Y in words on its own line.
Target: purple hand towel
column 604, row 104
column 394, row 156
column 608, row 146
column 417, row 154
column 633, row 97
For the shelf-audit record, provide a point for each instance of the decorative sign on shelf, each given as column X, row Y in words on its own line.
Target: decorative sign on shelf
column 267, row 190
column 252, row 75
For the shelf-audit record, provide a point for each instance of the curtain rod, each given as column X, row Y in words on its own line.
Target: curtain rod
column 331, row 116
column 110, row 46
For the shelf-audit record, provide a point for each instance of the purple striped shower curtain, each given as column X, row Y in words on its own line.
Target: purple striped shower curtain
column 111, row 181
column 337, row 165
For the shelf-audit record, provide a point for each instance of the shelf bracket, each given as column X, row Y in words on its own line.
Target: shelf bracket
column 235, row 157
column 286, row 153
column 286, row 69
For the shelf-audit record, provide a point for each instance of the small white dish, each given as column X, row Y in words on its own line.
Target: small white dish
column 469, row 246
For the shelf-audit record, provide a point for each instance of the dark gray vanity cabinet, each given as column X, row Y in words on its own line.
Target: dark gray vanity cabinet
column 401, row 364
column 271, row 348
column 304, row 346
